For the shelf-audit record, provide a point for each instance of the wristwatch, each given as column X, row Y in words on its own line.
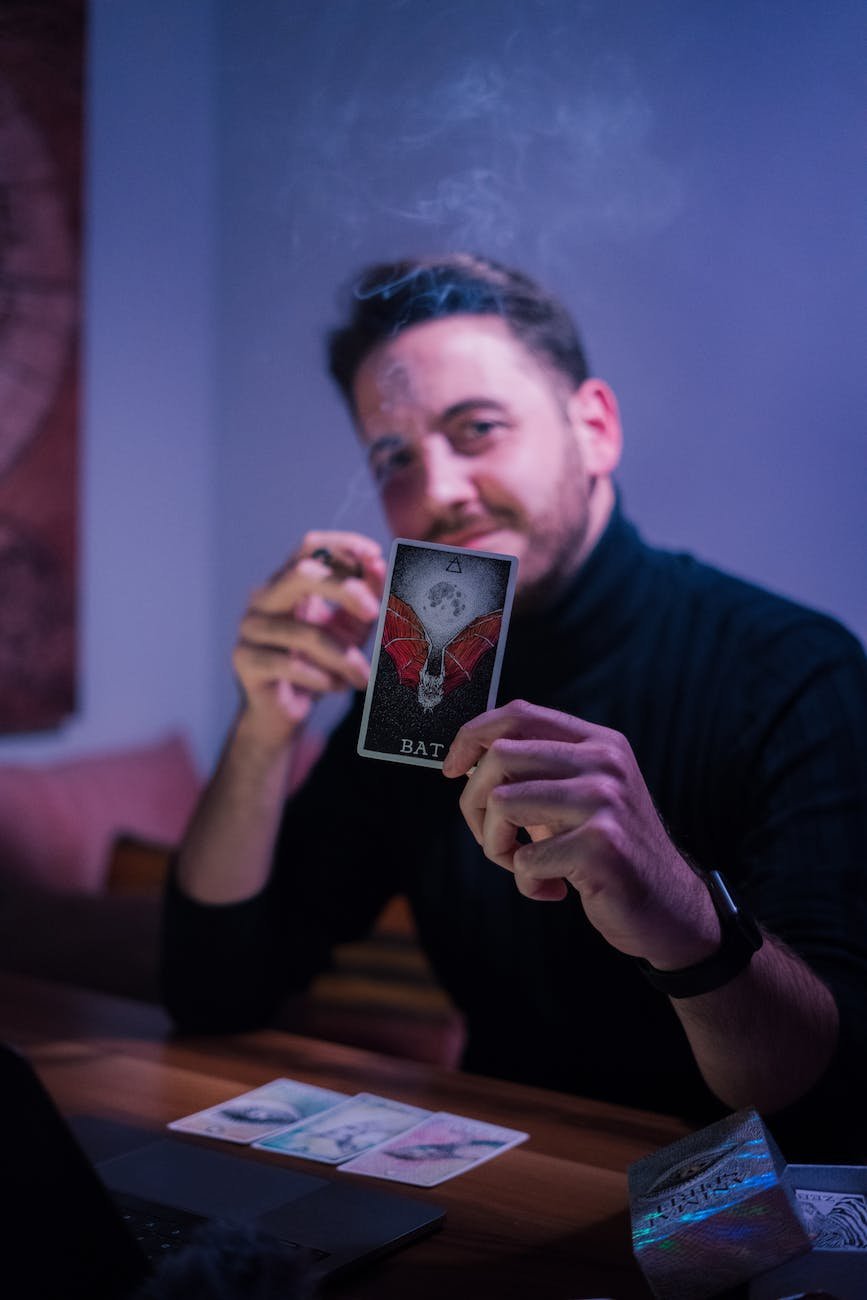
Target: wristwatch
column 740, row 938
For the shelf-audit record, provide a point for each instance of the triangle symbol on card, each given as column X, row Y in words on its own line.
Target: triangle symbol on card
column 454, row 565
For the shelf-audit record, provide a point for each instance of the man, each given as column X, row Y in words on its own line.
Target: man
column 662, row 722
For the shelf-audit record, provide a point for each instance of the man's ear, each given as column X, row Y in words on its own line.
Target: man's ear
column 595, row 417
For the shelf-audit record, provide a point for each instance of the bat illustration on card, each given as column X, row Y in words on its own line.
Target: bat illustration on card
column 439, row 649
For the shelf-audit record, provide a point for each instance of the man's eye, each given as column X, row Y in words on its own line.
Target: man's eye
column 390, row 462
column 477, row 431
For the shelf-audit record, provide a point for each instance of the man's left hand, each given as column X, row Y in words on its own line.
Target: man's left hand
column 577, row 790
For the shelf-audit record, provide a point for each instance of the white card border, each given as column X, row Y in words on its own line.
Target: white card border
column 517, row 1139
column 178, row 1125
column 262, row 1143
column 374, row 664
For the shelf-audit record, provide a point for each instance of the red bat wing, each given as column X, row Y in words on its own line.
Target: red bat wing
column 465, row 650
column 405, row 640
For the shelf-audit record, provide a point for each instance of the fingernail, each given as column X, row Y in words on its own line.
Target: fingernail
column 358, row 671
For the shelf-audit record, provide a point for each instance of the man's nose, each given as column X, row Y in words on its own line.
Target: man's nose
column 447, row 475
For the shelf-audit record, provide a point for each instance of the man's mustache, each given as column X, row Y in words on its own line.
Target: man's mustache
column 469, row 524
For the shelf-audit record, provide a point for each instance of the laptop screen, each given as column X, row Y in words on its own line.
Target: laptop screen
column 62, row 1235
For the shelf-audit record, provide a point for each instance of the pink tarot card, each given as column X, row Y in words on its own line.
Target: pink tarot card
column 275, row 1106
column 436, row 1149
column 438, row 650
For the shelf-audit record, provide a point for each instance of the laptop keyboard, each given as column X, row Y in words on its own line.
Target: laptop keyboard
column 161, row 1229
column 158, row 1229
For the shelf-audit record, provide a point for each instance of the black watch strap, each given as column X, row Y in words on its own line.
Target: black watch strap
column 740, row 938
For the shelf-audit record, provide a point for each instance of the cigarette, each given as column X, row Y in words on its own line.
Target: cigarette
column 339, row 566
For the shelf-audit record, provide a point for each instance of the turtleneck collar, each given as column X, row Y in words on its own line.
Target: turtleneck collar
column 591, row 618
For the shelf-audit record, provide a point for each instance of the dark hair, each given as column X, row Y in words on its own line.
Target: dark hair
column 390, row 297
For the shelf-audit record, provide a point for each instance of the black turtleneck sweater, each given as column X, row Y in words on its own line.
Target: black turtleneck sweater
column 748, row 717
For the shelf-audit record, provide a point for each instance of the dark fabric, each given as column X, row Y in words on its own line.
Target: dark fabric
column 748, row 717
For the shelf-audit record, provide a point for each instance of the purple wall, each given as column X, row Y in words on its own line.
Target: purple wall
column 687, row 175
column 147, row 415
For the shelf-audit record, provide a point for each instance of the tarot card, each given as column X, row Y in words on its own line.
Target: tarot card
column 347, row 1130
column 834, row 1220
column 439, row 649
column 438, row 1148
column 269, row 1109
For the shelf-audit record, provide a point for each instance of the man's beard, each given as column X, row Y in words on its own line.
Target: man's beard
column 560, row 536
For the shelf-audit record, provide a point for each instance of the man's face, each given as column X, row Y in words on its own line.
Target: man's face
column 473, row 442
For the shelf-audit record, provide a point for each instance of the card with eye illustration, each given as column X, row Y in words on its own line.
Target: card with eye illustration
column 438, row 651
column 440, row 1147
column 269, row 1109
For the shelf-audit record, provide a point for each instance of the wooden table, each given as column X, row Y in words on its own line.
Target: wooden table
column 547, row 1220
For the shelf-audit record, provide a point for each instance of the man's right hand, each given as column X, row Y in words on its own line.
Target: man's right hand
column 301, row 635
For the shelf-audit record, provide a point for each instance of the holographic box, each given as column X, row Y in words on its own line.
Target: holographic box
column 714, row 1209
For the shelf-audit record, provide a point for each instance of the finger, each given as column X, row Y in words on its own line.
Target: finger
column 345, row 545
column 307, row 577
column 558, row 805
column 346, row 554
column 369, row 569
column 374, row 569
column 288, row 632
column 590, row 857
column 500, row 844
column 555, row 804
column 342, row 627
column 543, row 869
column 341, row 544
column 517, row 720
column 542, row 891
column 511, row 760
column 313, row 643
column 263, row 666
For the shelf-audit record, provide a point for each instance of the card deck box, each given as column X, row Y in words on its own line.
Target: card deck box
column 714, row 1209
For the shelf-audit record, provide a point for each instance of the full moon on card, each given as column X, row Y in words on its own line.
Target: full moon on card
column 443, row 610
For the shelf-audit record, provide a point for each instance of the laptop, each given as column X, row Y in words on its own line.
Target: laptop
column 95, row 1206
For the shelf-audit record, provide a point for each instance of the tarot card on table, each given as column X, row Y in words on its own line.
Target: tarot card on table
column 358, row 1124
column 439, row 649
column 274, row 1106
column 438, row 1148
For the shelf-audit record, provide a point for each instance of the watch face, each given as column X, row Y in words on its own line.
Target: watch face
column 737, row 923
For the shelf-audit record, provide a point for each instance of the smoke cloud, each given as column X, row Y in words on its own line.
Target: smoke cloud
column 490, row 152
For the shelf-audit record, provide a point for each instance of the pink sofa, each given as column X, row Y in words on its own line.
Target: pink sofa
column 59, row 827
column 84, row 845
